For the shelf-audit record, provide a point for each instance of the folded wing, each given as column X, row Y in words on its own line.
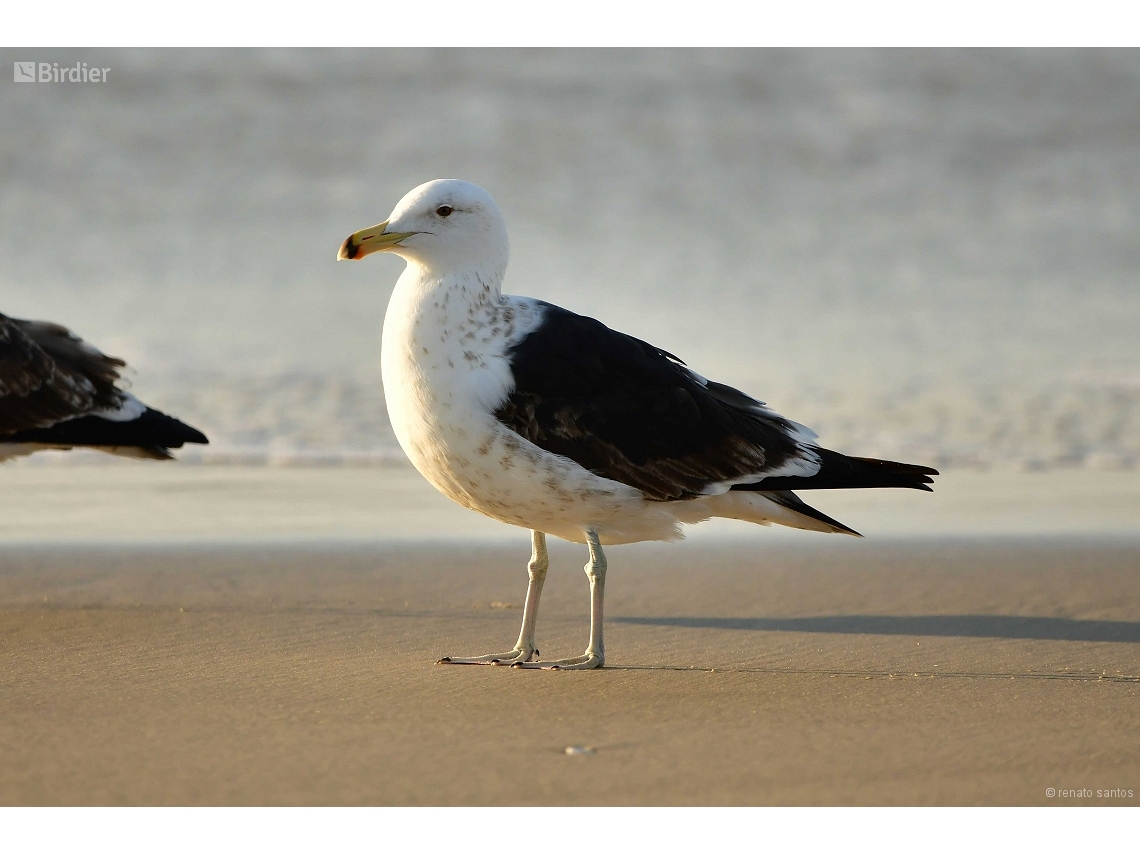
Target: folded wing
column 631, row 412
column 57, row 391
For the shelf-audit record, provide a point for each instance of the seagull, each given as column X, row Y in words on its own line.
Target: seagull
column 57, row 391
column 542, row 418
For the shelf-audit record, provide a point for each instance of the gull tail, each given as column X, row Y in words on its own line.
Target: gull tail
column 789, row 500
column 775, row 507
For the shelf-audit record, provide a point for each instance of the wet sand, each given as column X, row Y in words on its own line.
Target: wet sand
column 43, row 500
column 959, row 670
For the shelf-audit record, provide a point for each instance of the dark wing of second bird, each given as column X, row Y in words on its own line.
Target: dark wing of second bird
column 53, row 386
column 46, row 376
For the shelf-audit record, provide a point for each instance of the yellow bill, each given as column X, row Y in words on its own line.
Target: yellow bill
column 368, row 241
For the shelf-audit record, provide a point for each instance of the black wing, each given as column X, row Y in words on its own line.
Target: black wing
column 840, row 472
column 47, row 375
column 631, row 412
column 55, row 389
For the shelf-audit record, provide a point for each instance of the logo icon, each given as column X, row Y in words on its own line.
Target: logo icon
column 24, row 72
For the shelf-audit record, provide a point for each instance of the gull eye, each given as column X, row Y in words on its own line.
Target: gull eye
column 444, row 210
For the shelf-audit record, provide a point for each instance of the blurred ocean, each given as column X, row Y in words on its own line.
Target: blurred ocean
column 928, row 255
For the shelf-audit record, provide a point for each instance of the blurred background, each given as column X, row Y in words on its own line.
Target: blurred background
column 930, row 255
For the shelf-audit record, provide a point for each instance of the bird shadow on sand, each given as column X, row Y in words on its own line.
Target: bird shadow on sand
column 962, row 626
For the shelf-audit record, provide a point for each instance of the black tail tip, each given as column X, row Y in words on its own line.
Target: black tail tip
column 167, row 431
column 196, row 436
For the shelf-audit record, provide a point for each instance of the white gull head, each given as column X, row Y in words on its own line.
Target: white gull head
column 444, row 226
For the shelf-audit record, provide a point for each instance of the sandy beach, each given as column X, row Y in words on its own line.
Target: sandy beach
column 924, row 255
column 750, row 668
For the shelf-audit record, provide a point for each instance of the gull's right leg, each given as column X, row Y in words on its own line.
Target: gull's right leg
column 524, row 649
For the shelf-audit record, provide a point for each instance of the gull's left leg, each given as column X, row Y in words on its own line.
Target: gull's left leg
column 595, row 655
column 524, row 648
